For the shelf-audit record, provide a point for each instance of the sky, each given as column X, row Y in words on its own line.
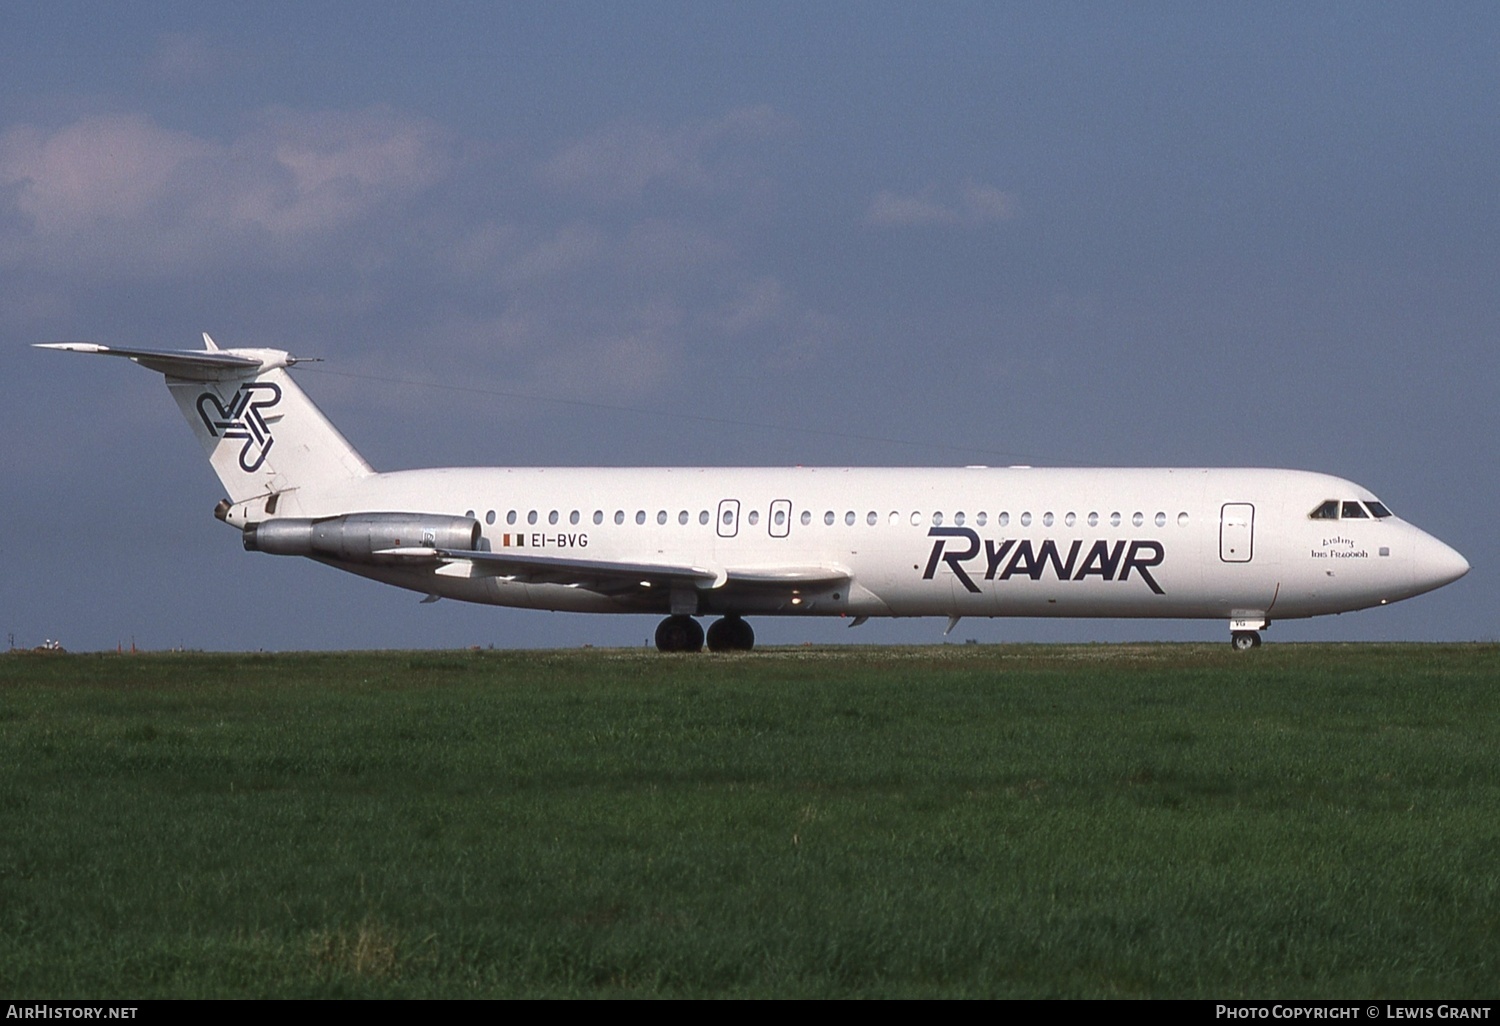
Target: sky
column 655, row 234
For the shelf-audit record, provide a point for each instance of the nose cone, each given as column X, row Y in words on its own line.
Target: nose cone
column 1436, row 564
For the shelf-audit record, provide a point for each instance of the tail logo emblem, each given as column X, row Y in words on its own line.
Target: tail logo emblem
column 245, row 418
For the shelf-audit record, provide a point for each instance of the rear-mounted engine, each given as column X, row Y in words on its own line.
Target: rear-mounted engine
column 361, row 537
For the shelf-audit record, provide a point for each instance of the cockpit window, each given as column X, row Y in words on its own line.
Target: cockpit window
column 1328, row 511
column 1354, row 511
column 1378, row 509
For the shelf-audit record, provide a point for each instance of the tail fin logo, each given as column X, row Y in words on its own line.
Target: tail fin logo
column 245, row 418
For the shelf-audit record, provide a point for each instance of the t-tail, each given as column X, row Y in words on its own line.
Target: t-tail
column 262, row 433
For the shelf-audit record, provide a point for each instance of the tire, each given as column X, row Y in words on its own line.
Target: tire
column 679, row 634
column 1244, row 641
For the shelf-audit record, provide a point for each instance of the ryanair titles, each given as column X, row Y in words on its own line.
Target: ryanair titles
column 969, row 557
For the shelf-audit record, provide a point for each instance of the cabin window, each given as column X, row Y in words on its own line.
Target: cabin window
column 1026, row 519
column 780, row 518
column 937, row 520
column 510, row 518
column 682, row 517
column 1161, row 520
column 895, row 518
column 489, row 518
column 849, row 518
column 1354, row 511
column 1137, row 518
column 958, row 520
column 531, row 517
column 573, row 517
column 871, row 518
column 1182, row 519
column 661, row 516
column 598, row 516
column 828, row 518
column 979, row 518
column 1003, row 520
column 619, row 516
column 754, row 517
column 640, row 516
column 806, row 517
column 1378, row 509
column 1093, row 519
column 703, row 516
column 1047, row 519
column 552, row 517
column 1070, row 519
column 1114, row 519
column 916, row 519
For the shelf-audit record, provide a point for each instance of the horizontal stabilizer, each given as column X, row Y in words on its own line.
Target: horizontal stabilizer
column 262, row 434
column 188, row 364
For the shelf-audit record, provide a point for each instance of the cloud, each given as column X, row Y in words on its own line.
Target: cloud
column 569, row 249
column 970, row 206
column 123, row 194
column 114, row 167
column 182, row 58
column 314, row 171
column 623, row 161
column 755, row 303
column 380, row 232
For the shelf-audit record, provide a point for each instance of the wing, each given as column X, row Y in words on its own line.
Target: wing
column 615, row 578
column 603, row 576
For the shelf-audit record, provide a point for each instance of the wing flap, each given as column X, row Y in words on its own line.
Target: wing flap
column 789, row 576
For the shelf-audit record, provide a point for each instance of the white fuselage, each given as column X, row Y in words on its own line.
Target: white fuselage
column 1243, row 545
column 1190, row 543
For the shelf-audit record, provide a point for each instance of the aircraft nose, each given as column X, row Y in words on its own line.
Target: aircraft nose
column 1437, row 564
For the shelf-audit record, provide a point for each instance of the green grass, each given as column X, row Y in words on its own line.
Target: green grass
column 1168, row 821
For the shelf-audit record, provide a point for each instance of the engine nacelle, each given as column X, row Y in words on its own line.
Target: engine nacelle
column 358, row 537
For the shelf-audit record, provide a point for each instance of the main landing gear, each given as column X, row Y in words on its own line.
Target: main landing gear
column 679, row 634
column 1244, row 631
column 683, row 634
column 731, row 634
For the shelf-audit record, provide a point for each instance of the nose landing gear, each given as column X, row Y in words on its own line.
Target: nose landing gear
column 1244, row 632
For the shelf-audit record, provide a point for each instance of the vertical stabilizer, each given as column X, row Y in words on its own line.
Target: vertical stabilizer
column 262, row 433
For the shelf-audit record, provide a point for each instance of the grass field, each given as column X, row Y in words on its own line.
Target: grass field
column 1162, row 820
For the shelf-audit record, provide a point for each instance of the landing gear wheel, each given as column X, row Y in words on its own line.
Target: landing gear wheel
column 731, row 634
column 679, row 634
column 1244, row 641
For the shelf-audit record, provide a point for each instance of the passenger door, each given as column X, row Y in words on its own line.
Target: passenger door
column 1237, row 532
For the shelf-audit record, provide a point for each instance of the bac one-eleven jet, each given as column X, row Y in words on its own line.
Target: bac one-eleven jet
column 1244, row 546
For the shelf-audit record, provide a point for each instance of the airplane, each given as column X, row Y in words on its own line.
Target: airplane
column 1240, row 545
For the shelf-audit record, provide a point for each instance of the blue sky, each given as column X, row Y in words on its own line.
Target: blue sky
column 647, row 234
